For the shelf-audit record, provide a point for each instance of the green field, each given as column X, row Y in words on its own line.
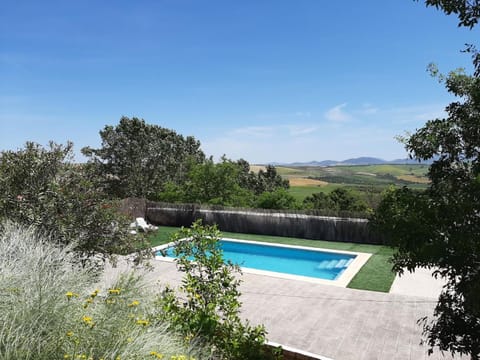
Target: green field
column 301, row 192
column 364, row 179
column 375, row 275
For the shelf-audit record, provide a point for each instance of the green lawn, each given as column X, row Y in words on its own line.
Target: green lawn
column 301, row 192
column 375, row 275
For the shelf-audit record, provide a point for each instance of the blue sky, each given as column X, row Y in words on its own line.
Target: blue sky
column 263, row 80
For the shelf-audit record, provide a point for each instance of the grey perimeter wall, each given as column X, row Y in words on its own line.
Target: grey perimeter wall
column 264, row 222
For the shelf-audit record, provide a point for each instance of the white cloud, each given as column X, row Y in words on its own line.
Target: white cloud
column 337, row 114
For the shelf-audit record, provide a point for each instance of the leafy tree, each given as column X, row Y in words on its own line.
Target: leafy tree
column 41, row 187
column 340, row 199
column 247, row 179
column 265, row 180
column 270, row 180
column 318, row 201
column 208, row 307
column 440, row 227
column 137, row 159
column 216, row 184
column 468, row 12
column 278, row 199
column 230, row 183
column 347, row 200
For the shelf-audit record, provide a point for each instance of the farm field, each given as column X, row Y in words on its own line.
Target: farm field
column 306, row 180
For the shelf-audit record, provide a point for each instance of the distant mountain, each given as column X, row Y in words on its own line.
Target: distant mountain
column 316, row 163
column 364, row 160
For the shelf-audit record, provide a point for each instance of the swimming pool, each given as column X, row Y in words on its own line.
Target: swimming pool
column 277, row 259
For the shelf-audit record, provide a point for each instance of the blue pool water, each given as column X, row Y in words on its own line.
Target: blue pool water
column 312, row 263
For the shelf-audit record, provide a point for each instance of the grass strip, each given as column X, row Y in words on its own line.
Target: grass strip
column 375, row 275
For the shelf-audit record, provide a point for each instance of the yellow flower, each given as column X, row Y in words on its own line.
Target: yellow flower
column 142, row 322
column 134, row 303
column 156, row 354
column 94, row 293
column 69, row 333
column 66, row 356
column 114, row 291
column 88, row 321
column 70, row 294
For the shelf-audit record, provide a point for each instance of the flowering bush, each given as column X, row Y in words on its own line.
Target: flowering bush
column 49, row 310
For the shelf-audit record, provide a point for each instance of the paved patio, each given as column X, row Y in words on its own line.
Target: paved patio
column 331, row 321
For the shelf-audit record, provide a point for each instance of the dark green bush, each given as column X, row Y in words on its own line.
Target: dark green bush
column 40, row 187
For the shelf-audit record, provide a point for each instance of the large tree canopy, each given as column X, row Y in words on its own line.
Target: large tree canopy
column 230, row 183
column 440, row 227
column 137, row 159
column 39, row 186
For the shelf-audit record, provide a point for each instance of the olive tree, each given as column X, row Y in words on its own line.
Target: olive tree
column 137, row 159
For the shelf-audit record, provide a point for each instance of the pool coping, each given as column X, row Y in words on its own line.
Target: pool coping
column 342, row 281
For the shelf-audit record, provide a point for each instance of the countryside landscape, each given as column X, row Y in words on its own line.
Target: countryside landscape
column 307, row 180
column 240, row 181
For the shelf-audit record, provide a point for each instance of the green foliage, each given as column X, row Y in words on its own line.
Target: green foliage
column 319, row 201
column 208, row 306
column 440, row 227
column 278, row 199
column 171, row 193
column 340, row 199
column 269, row 180
column 50, row 309
column 468, row 12
column 229, row 183
column 40, row 187
column 216, row 184
column 137, row 159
